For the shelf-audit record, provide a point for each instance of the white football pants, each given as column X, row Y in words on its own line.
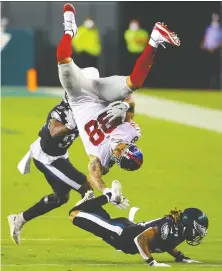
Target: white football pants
column 82, row 82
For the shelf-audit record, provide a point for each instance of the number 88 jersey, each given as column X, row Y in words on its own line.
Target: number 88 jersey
column 98, row 136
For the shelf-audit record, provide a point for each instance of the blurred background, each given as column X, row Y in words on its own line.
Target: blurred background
column 111, row 36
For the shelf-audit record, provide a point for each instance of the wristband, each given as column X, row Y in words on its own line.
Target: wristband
column 150, row 261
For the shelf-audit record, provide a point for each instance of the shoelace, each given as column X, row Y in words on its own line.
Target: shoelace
column 162, row 44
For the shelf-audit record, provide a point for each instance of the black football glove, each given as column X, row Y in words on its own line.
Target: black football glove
column 183, row 259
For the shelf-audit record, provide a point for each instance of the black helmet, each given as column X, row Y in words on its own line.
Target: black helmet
column 195, row 224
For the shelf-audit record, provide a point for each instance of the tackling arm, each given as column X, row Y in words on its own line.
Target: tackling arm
column 143, row 241
column 56, row 128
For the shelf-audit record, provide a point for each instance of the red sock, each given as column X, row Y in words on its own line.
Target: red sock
column 143, row 66
column 64, row 49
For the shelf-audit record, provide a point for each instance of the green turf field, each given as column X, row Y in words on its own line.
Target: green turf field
column 182, row 168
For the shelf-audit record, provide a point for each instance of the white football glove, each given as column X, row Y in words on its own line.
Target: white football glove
column 71, row 124
column 117, row 197
column 123, row 205
column 155, row 263
column 116, row 110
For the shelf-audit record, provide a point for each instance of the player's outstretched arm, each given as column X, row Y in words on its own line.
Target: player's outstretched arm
column 95, row 173
column 142, row 242
column 180, row 257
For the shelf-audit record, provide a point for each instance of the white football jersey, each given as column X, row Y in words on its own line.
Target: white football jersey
column 98, row 137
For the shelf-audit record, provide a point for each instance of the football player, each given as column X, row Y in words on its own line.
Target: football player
column 50, row 155
column 105, row 141
column 155, row 236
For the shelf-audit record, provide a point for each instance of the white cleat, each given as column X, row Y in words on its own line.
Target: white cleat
column 162, row 34
column 69, row 19
column 15, row 225
column 88, row 196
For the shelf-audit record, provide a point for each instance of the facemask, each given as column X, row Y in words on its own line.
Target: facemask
column 89, row 23
column 134, row 26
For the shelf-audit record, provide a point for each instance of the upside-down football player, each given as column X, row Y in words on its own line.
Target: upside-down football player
column 105, row 142
column 155, row 236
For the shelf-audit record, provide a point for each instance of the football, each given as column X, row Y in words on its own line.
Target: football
column 116, row 122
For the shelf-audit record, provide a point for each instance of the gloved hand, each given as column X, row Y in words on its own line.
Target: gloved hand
column 116, row 110
column 123, row 205
column 71, row 124
column 183, row 259
column 115, row 195
column 155, row 263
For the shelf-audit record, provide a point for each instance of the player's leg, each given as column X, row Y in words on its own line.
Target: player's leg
column 91, row 217
column 62, row 177
column 69, row 175
column 160, row 35
column 71, row 76
column 119, row 87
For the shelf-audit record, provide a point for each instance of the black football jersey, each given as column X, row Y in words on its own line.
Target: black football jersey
column 58, row 145
column 170, row 235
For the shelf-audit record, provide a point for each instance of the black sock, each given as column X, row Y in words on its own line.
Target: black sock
column 91, row 205
column 45, row 205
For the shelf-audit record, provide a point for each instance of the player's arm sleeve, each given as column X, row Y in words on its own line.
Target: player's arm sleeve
column 142, row 242
column 95, row 173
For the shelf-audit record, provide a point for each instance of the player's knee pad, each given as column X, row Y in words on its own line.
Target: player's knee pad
column 56, row 200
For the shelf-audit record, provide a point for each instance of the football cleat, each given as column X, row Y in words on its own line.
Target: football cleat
column 88, row 196
column 69, row 19
column 162, row 34
column 15, row 225
column 69, row 7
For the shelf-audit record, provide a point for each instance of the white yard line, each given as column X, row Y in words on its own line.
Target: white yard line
column 53, row 239
column 183, row 113
column 104, row 264
column 175, row 111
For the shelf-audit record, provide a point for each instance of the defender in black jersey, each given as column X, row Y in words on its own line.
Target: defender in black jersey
column 155, row 236
column 50, row 156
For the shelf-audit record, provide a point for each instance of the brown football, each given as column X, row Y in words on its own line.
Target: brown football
column 116, row 122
